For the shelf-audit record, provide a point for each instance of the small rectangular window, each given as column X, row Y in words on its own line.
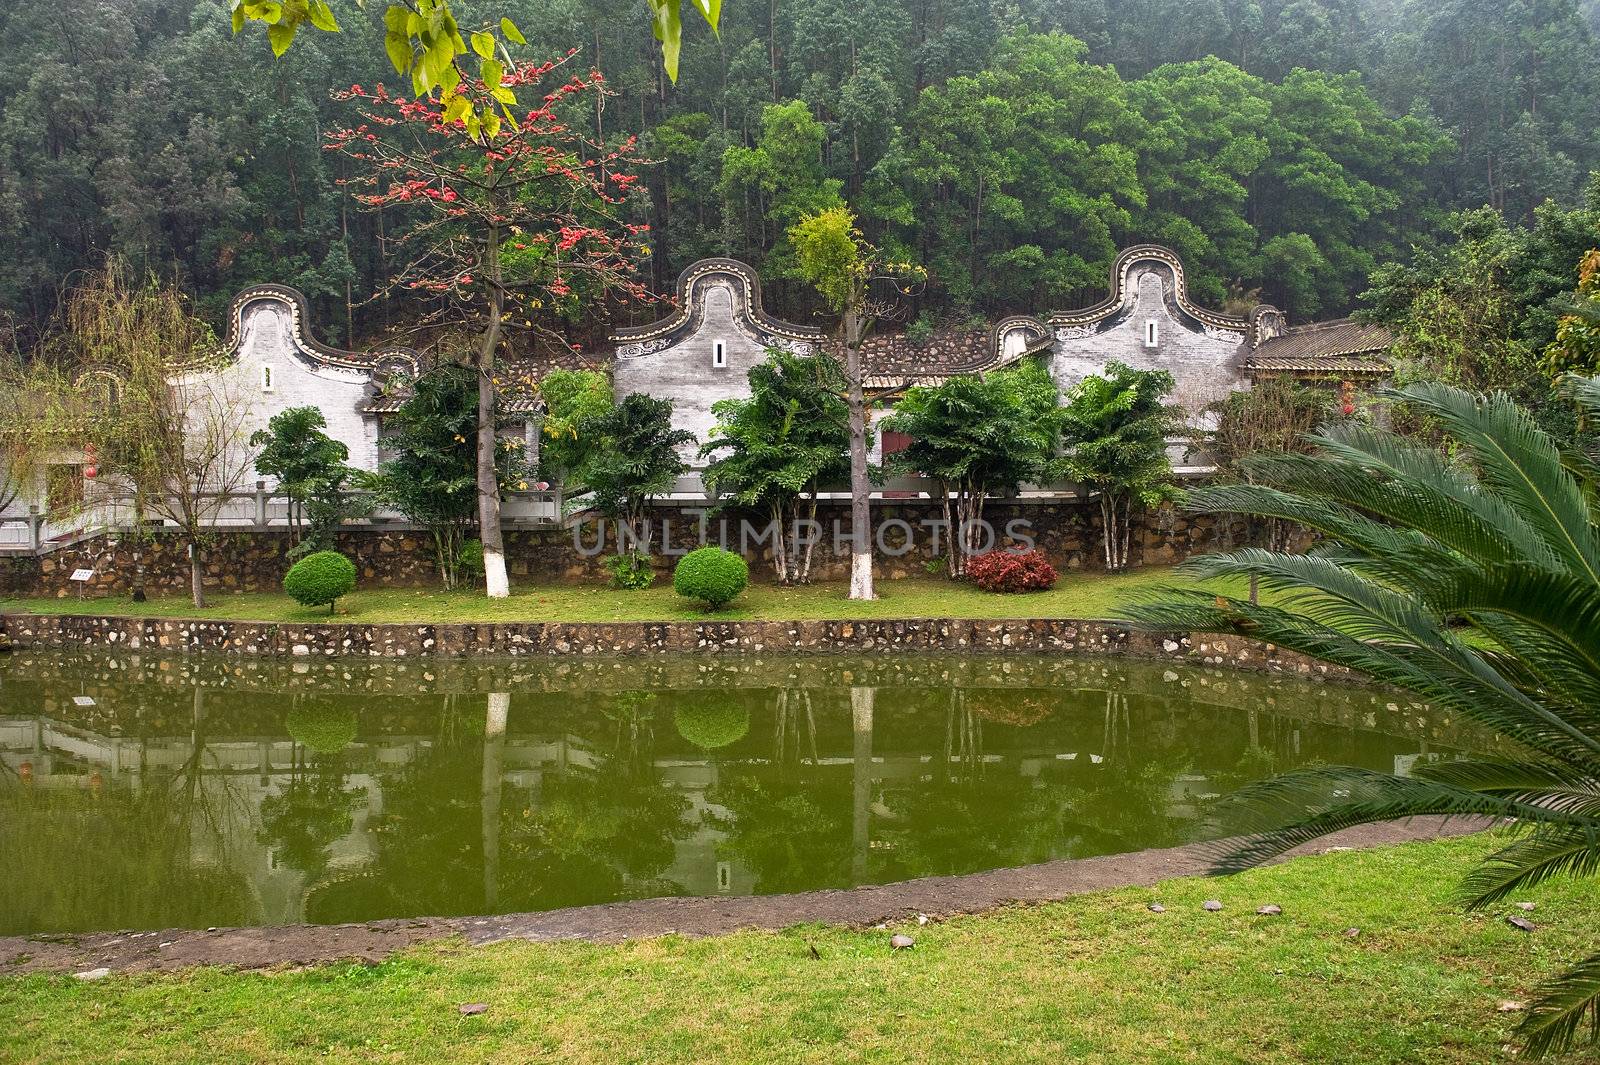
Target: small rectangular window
column 1150, row 335
column 266, row 379
column 719, row 355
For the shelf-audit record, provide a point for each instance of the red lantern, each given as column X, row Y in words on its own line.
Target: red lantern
column 90, row 470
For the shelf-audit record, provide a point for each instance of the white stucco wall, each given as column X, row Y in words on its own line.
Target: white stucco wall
column 684, row 372
column 266, row 343
column 1205, row 364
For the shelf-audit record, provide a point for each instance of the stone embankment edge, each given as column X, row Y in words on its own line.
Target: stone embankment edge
column 554, row 638
column 935, row 897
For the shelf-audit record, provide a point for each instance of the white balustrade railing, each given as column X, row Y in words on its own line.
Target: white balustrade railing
column 262, row 509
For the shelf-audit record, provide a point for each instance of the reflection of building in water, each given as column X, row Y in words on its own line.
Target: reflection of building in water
column 880, row 782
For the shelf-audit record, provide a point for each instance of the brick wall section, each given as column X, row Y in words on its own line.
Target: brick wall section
column 1067, row 532
column 512, row 639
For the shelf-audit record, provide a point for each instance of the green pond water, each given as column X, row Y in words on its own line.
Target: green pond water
column 141, row 793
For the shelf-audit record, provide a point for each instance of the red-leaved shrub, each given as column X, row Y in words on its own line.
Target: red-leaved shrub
column 1011, row 571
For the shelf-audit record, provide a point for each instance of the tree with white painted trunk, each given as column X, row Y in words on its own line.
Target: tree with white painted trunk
column 517, row 222
column 832, row 254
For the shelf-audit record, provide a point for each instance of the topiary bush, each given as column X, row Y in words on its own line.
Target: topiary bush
column 320, row 579
column 712, row 724
column 1011, row 571
column 711, row 575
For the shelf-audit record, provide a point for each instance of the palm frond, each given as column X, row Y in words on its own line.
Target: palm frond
column 1550, row 786
column 1444, row 672
column 1571, row 848
column 1518, row 459
column 1274, row 812
column 1566, row 1012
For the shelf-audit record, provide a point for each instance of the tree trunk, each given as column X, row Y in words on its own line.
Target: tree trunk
column 781, row 562
column 952, row 553
column 197, row 583
column 860, row 479
column 804, row 576
column 496, row 585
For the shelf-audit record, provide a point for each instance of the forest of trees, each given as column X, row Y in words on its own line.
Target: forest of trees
column 1286, row 148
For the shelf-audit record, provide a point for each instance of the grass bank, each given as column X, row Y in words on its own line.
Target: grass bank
column 1076, row 595
column 1098, row 978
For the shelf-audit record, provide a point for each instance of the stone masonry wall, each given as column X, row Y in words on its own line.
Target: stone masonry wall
column 517, row 639
column 1067, row 532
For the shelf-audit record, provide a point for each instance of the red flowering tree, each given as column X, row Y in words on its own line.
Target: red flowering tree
column 517, row 220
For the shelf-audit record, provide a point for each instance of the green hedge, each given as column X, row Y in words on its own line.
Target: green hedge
column 322, row 727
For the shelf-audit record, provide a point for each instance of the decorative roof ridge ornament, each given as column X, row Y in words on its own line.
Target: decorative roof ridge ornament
column 368, row 362
column 745, row 282
column 1074, row 323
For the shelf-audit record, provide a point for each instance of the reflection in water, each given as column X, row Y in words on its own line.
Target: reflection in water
column 154, row 793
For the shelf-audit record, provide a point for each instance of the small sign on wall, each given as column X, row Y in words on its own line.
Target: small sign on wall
column 82, row 575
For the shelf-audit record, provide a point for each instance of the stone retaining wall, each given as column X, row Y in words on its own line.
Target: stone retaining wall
column 250, row 561
column 914, row 636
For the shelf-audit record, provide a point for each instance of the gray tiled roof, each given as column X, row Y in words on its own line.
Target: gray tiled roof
column 509, row 403
column 1336, row 346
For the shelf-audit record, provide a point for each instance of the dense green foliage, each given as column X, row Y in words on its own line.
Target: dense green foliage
column 712, row 723
column 320, row 579
column 1115, row 428
column 983, row 141
column 1481, row 308
column 979, row 435
column 310, row 468
column 432, row 477
column 1422, row 552
column 632, row 570
column 711, row 574
column 633, row 457
column 571, row 399
column 324, row 726
column 773, row 450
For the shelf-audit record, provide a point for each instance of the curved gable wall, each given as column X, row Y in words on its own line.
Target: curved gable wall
column 719, row 301
column 1203, row 350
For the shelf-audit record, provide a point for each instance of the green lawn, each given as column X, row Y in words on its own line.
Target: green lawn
column 1094, row 979
column 1077, row 595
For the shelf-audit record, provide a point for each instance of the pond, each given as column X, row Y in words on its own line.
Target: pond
column 141, row 793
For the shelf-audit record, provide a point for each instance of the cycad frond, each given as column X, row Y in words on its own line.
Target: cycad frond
column 1567, row 1011
column 1519, row 460
column 1274, row 812
column 1567, row 849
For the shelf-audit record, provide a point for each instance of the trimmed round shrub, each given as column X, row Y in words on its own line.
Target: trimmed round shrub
column 711, row 575
column 320, row 579
column 712, row 724
column 1011, row 571
column 321, row 727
